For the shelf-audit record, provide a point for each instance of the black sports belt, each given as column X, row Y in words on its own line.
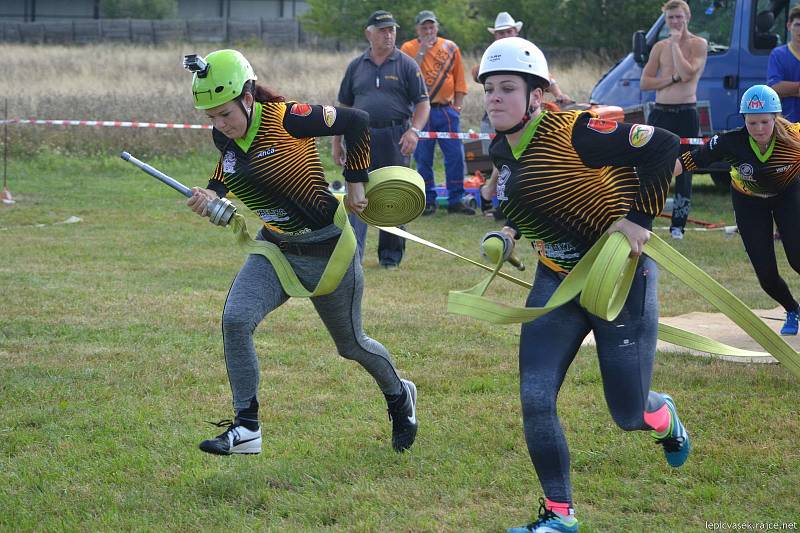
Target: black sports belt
column 377, row 124
column 441, row 105
column 311, row 249
column 674, row 108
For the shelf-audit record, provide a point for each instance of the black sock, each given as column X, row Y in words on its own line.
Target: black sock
column 395, row 400
column 248, row 417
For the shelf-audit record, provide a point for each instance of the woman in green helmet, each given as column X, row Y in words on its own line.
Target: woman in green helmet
column 269, row 160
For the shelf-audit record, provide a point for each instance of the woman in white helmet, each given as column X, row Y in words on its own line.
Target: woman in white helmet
column 765, row 188
column 565, row 179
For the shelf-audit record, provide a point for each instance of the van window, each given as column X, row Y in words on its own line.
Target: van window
column 713, row 21
column 768, row 28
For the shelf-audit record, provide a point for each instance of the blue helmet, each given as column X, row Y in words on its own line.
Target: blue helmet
column 760, row 99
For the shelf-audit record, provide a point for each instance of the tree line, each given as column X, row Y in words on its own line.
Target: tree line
column 594, row 25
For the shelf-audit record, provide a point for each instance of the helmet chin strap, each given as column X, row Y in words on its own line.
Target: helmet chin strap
column 521, row 124
column 247, row 112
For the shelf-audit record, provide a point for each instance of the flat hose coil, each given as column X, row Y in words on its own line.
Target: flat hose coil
column 396, row 196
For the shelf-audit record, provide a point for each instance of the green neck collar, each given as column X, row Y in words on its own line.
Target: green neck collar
column 527, row 135
column 762, row 157
column 255, row 123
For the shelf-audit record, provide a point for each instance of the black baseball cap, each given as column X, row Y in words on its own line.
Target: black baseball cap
column 424, row 16
column 382, row 19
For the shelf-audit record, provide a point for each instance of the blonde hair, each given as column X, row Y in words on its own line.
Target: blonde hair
column 677, row 4
column 786, row 132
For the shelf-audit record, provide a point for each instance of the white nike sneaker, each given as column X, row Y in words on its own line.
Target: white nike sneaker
column 404, row 419
column 235, row 439
column 676, row 233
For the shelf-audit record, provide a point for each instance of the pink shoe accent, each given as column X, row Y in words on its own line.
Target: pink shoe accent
column 659, row 419
column 563, row 509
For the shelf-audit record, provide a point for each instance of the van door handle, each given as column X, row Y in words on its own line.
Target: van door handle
column 731, row 81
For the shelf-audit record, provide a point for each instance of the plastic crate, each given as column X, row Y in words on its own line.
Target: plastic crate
column 472, row 196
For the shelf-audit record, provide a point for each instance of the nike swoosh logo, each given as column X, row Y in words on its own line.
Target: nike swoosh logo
column 413, row 418
column 238, row 442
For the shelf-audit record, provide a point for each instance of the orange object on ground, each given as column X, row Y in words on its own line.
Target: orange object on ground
column 6, row 197
column 474, row 181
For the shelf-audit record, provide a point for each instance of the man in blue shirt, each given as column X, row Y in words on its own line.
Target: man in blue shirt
column 783, row 69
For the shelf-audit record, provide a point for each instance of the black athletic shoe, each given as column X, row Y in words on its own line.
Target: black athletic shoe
column 460, row 208
column 404, row 419
column 235, row 439
column 429, row 210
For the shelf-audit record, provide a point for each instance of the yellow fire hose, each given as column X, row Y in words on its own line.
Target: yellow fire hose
column 396, row 196
column 603, row 278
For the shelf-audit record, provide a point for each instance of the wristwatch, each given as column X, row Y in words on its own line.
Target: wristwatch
column 416, row 131
column 457, row 108
column 676, row 78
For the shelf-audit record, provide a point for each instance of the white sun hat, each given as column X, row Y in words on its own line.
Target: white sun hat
column 505, row 21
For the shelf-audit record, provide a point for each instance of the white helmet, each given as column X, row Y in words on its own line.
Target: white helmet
column 514, row 54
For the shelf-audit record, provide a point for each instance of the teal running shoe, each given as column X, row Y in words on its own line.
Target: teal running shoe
column 790, row 326
column 676, row 443
column 548, row 522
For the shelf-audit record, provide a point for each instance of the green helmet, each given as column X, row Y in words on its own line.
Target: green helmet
column 220, row 78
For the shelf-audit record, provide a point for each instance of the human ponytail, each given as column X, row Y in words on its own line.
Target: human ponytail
column 787, row 132
column 261, row 93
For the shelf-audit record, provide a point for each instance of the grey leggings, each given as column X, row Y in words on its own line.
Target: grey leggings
column 256, row 291
column 625, row 348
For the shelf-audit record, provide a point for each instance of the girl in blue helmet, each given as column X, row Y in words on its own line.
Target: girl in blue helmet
column 765, row 187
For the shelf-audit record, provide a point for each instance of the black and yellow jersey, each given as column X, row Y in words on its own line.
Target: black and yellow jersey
column 572, row 175
column 275, row 169
column 752, row 173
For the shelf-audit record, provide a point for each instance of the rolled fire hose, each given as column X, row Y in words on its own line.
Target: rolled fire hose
column 603, row 278
column 396, row 196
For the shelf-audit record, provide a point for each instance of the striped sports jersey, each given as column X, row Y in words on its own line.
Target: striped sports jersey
column 752, row 173
column 572, row 175
column 275, row 169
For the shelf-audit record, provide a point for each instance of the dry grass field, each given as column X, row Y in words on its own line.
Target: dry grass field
column 145, row 83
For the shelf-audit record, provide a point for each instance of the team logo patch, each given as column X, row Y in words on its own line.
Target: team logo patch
column 640, row 135
column 229, row 162
column 755, row 103
column 713, row 142
column 328, row 115
column 502, row 178
column 601, row 125
column 746, row 171
column 301, row 110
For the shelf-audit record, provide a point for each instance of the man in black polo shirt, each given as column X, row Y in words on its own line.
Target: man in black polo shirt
column 388, row 85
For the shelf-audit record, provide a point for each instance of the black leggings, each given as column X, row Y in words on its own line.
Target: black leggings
column 755, row 216
column 683, row 123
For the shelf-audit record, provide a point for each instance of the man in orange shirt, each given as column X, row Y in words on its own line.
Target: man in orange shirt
column 439, row 60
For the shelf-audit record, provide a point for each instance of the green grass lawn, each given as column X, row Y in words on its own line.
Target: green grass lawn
column 111, row 362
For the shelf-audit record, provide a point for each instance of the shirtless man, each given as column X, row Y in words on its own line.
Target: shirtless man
column 673, row 70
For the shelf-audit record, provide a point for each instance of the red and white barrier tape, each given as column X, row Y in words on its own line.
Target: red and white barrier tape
column 696, row 141
column 107, row 123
